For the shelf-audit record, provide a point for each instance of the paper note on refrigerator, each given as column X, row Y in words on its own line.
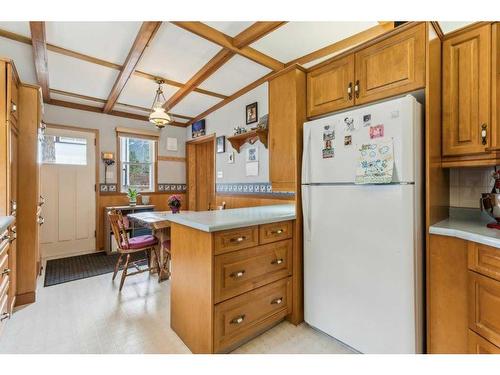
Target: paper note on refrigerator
column 375, row 163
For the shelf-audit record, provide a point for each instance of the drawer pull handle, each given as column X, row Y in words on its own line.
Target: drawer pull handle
column 13, row 206
column 40, row 220
column 349, row 90
column 4, row 316
column 13, row 236
column 278, row 231
column 356, row 89
column 41, row 202
column 6, row 271
column 237, row 275
column 13, row 107
column 238, row 239
column 484, row 134
column 277, row 301
column 238, row 320
column 277, row 261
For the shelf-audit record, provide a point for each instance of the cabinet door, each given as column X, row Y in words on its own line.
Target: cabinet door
column 393, row 66
column 478, row 345
column 330, row 87
column 466, row 92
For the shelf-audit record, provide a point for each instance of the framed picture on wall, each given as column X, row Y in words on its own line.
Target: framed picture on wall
column 221, row 144
column 251, row 113
column 198, row 128
column 252, row 154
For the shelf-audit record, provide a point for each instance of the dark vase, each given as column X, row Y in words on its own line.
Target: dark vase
column 175, row 210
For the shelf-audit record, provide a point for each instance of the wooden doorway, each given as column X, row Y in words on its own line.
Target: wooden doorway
column 200, row 171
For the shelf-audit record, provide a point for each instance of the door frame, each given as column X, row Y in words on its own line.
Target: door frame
column 97, row 171
column 191, row 168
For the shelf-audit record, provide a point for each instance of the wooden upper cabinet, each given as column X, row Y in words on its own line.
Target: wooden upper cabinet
column 466, row 92
column 392, row 66
column 331, row 87
column 287, row 113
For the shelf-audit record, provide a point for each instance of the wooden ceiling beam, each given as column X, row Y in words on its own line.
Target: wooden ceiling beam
column 39, row 43
column 89, row 108
column 225, row 41
column 247, row 36
column 144, row 36
column 94, row 60
column 343, row 44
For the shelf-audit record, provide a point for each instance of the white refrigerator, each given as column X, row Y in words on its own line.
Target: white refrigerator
column 363, row 275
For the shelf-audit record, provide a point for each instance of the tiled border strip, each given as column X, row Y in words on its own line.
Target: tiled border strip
column 263, row 188
column 172, row 188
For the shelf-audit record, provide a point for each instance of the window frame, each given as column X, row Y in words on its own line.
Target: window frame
column 136, row 135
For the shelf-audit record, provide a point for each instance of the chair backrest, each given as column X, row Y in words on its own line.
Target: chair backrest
column 118, row 227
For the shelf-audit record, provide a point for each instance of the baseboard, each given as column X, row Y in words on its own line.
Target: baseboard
column 66, row 255
column 25, row 298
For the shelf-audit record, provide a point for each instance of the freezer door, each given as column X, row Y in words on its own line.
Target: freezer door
column 362, row 281
column 400, row 119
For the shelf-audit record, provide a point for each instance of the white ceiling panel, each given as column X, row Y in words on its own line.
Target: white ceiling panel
column 448, row 27
column 230, row 28
column 72, row 99
column 233, row 75
column 21, row 27
column 194, row 104
column 126, row 108
column 81, row 77
column 296, row 39
column 22, row 55
column 141, row 91
column 176, row 54
column 109, row 41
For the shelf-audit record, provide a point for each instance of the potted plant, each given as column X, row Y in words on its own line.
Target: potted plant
column 132, row 195
column 174, row 202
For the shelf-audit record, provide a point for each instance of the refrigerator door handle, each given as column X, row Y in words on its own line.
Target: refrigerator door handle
column 306, row 211
column 306, row 159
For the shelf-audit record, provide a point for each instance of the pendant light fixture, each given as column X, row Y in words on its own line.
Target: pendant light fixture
column 159, row 115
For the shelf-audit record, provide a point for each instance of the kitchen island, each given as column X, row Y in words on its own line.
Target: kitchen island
column 231, row 274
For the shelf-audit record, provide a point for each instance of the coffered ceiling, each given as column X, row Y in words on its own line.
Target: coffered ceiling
column 113, row 65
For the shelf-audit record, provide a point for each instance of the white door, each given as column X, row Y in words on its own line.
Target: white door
column 68, row 183
column 362, row 252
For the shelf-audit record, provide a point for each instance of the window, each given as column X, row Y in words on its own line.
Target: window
column 64, row 150
column 137, row 163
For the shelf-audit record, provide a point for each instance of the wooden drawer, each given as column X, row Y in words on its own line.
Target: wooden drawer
column 275, row 232
column 241, row 271
column 478, row 345
column 484, row 307
column 484, row 260
column 241, row 318
column 4, row 268
column 235, row 239
column 4, row 314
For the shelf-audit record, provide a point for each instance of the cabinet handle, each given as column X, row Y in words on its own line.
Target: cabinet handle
column 41, row 202
column 13, row 107
column 13, row 206
column 238, row 274
column 277, row 301
column 278, row 231
column 12, row 237
column 484, row 133
column 277, row 261
column 238, row 320
column 6, row 271
column 4, row 316
column 40, row 220
column 356, row 88
column 237, row 239
column 349, row 90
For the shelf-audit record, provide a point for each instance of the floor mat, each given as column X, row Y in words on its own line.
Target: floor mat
column 79, row 267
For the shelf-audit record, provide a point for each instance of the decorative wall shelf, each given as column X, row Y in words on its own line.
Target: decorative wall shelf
column 251, row 137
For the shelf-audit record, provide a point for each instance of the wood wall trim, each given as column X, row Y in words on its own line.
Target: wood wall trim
column 223, row 40
column 144, row 36
column 360, row 37
column 39, row 44
column 465, row 29
column 172, row 158
column 94, row 60
column 203, row 139
column 132, row 131
column 437, row 29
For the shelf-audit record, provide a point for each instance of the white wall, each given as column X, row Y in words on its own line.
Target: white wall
column 168, row 171
column 223, row 121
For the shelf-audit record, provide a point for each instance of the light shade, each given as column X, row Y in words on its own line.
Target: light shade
column 159, row 117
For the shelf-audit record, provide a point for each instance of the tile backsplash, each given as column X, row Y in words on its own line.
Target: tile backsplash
column 467, row 184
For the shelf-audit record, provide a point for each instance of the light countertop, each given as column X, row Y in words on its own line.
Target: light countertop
column 468, row 224
column 5, row 221
column 213, row 221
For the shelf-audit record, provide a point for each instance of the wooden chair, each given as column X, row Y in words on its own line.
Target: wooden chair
column 126, row 246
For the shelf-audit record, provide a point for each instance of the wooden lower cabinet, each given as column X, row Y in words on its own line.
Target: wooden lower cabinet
column 463, row 301
column 222, row 296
